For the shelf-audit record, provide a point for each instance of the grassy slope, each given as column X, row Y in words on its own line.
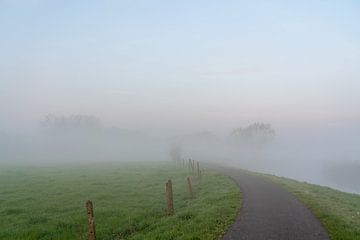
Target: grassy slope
column 129, row 203
column 338, row 211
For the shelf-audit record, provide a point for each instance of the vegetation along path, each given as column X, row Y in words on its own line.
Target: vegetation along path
column 270, row 212
column 43, row 203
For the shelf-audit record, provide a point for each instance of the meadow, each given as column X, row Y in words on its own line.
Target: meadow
column 129, row 202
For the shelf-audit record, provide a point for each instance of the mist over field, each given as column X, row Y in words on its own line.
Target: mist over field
column 328, row 158
column 122, row 81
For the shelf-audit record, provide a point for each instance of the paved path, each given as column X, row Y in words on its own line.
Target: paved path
column 271, row 213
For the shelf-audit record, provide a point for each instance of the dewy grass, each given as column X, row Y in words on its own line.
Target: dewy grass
column 338, row 211
column 129, row 202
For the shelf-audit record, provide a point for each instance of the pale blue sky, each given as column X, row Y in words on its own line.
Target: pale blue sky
column 189, row 65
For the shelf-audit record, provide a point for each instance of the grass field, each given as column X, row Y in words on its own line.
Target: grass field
column 338, row 211
column 129, row 202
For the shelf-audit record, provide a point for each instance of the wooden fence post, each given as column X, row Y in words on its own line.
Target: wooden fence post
column 190, row 187
column 198, row 169
column 193, row 167
column 169, row 198
column 190, row 165
column 91, row 221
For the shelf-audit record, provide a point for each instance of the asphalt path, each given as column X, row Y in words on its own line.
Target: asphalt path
column 269, row 212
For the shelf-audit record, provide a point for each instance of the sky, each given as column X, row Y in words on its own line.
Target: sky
column 181, row 65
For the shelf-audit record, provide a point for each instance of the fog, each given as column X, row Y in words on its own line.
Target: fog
column 135, row 81
column 328, row 157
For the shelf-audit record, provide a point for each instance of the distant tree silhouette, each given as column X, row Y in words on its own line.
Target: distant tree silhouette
column 175, row 153
column 73, row 123
column 251, row 142
column 254, row 134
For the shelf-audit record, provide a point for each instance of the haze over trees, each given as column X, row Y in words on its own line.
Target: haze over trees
column 73, row 123
column 249, row 143
column 256, row 134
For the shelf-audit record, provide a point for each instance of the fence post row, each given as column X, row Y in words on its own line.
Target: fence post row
column 169, row 199
column 91, row 221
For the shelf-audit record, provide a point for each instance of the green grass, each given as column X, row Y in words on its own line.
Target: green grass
column 129, row 202
column 338, row 211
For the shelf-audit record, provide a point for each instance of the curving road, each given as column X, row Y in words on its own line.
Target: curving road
column 271, row 213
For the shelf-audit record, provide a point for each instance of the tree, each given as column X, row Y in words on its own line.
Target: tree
column 249, row 144
column 175, row 153
column 73, row 123
column 256, row 134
